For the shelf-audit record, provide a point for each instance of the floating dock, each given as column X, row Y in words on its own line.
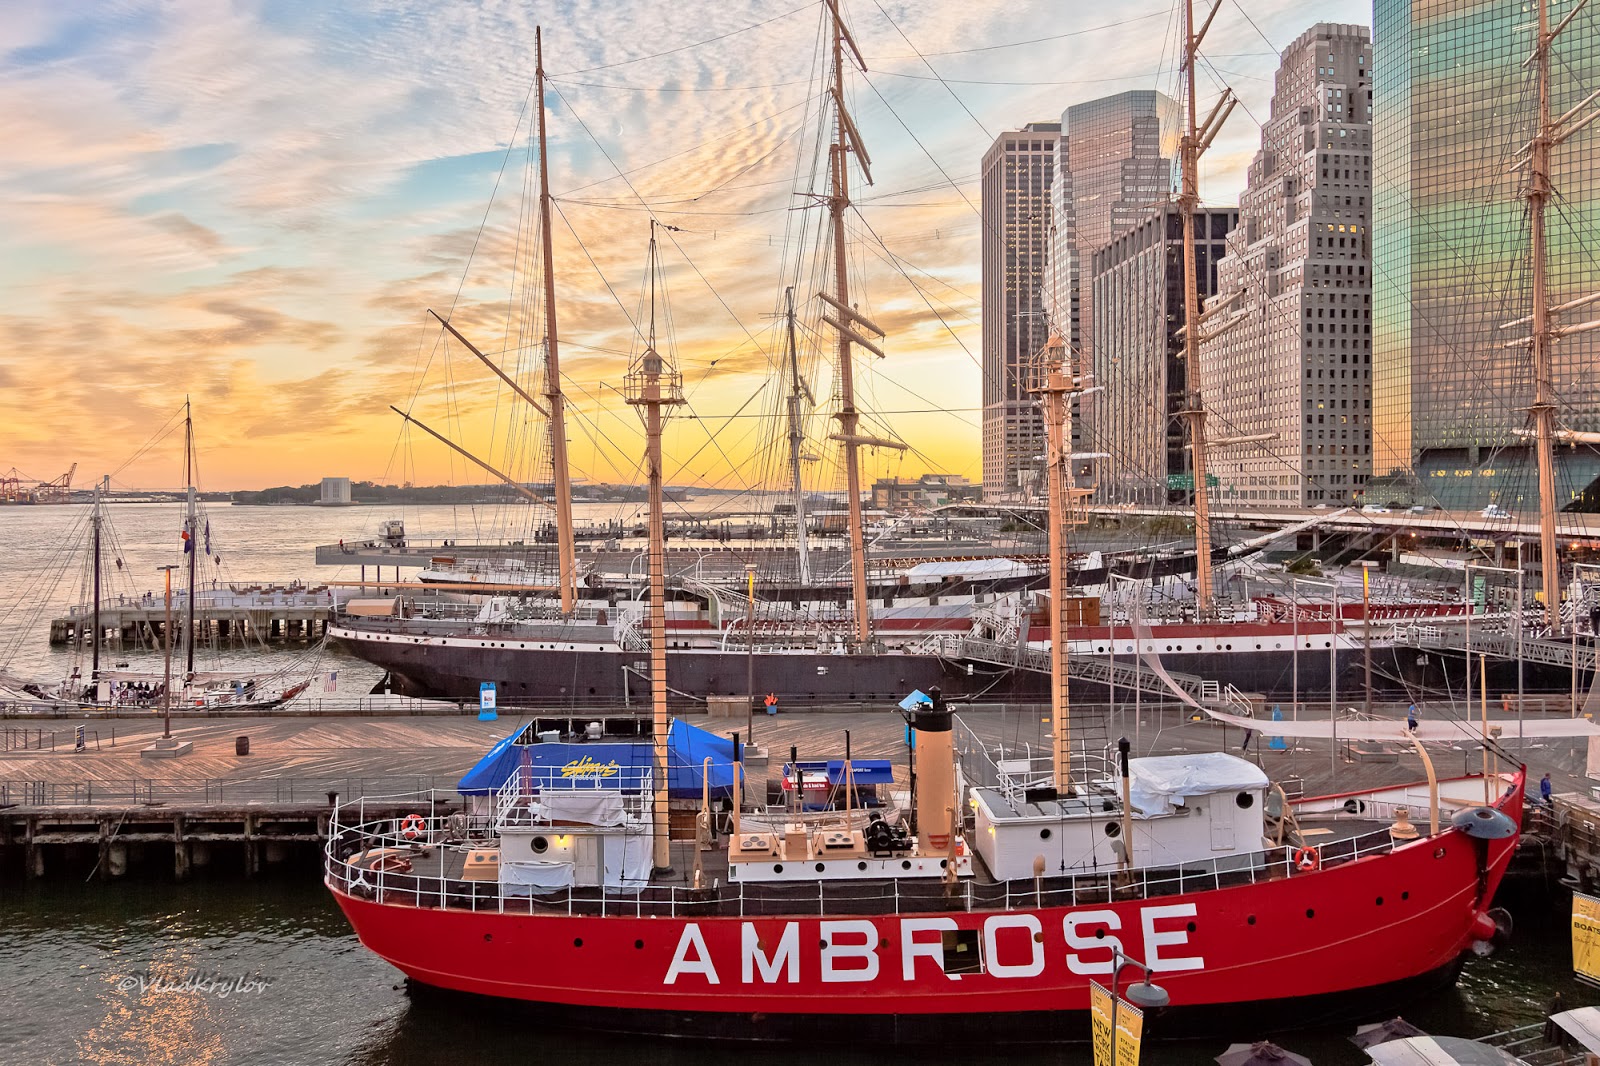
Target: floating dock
column 236, row 614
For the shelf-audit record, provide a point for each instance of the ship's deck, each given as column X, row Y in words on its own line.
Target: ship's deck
column 434, row 875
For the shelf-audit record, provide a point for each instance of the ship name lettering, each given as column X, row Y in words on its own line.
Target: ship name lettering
column 834, row 952
column 1035, row 941
column 911, row 948
column 786, row 956
column 701, row 964
column 1087, row 941
column 1154, row 941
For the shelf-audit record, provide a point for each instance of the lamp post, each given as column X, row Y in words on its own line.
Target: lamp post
column 750, row 650
column 1366, row 632
column 1483, row 696
column 166, row 647
column 1144, row 995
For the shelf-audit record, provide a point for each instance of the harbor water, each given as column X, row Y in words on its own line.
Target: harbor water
column 266, row 971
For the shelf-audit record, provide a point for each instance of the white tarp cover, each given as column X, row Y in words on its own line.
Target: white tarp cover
column 628, row 861
column 535, row 877
column 1438, row 1051
column 1429, row 730
column 972, row 569
column 581, row 807
column 1583, row 1023
column 1162, row 781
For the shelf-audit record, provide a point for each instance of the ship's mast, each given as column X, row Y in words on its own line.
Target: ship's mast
column 849, row 322
column 192, row 542
column 554, row 397
column 1189, row 149
column 797, row 391
column 1055, row 386
column 94, row 641
column 652, row 384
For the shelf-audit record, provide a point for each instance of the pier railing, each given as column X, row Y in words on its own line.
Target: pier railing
column 353, row 839
column 298, row 791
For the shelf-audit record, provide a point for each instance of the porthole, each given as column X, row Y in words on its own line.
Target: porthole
column 1113, row 829
column 540, row 845
column 905, row 864
column 1405, row 895
column 1191, row 927
column 1245, row 800
column 487, row 937
column 638, row 945
column 777, row 867
column 1044, row 834
column 1100, row 934
column 1310, row 912
column 1379, row 901
column 861, row 866
column 577, row 942
column 821, row 867
column 1250, row 920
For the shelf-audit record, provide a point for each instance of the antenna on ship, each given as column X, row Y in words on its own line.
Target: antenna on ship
column 1544, row 335
column 850, row 323
column 651, row 384
column 556, row 401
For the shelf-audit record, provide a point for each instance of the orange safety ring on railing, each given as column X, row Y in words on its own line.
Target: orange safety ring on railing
column 1306, row 860
column 413, row 826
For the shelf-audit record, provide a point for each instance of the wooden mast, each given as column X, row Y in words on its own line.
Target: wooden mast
column 556, row 401
column 193, row 543
column 797, row 390
column 94, row 640
column 652, row 384
column 1055, row 385
column 1544, row 334
column 838, row 199
column 1189, row 149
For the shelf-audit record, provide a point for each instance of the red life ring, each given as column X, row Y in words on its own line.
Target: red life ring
column 1306, row 860
column 413, row 826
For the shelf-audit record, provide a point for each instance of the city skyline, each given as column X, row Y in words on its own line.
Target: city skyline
column 255, row 206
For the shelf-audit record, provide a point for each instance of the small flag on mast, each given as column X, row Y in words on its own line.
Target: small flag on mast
column 188, row 542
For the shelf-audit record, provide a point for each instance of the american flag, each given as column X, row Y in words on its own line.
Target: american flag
column 331, row 682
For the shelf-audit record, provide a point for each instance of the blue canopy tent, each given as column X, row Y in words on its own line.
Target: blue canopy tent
column 592, row 765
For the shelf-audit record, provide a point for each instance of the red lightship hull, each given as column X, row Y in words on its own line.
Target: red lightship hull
column 1344, row 938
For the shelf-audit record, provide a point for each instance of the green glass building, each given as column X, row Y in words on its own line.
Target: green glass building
column 1453, row 105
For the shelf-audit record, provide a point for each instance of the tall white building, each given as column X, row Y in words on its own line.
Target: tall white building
column 1297, row 278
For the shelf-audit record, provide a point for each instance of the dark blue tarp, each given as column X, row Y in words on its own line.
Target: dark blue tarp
column 863, row 771
column 687, row 749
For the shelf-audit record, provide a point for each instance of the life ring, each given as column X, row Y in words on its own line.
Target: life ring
column 1306, row 860
column 413, row 826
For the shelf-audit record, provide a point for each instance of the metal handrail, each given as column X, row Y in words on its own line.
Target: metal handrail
column 349, row 840
column 136, row 791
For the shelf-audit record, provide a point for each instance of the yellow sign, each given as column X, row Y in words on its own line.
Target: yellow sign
column 1129, row 1028
column 587, row 767
column 1586, row 937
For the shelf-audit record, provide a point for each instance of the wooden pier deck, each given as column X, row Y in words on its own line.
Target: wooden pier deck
column 237, row 614
column 275, row 800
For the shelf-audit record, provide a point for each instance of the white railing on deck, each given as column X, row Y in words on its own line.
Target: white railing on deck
column 352, row 839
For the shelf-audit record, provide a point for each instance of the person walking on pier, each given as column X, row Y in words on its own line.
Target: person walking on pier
column 1411, row 719
column 1544, row 791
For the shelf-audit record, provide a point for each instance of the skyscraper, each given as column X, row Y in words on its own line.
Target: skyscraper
column 1136, row 286
column 1454, row 106
column 1116, row 157
column 1290, row 348
column 1017, row 172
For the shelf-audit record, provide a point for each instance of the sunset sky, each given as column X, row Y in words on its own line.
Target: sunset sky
column 255, row 204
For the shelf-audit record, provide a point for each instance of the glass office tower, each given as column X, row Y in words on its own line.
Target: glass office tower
column 1453, row 105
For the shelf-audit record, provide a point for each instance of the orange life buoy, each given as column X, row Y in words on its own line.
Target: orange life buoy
column 413, row 826
column 1306, row 859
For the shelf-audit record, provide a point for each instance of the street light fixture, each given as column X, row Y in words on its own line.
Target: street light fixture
column 1144, row 995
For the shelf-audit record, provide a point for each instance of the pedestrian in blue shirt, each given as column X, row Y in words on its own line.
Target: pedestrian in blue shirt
column 1544, row 790
column 1411, row 719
